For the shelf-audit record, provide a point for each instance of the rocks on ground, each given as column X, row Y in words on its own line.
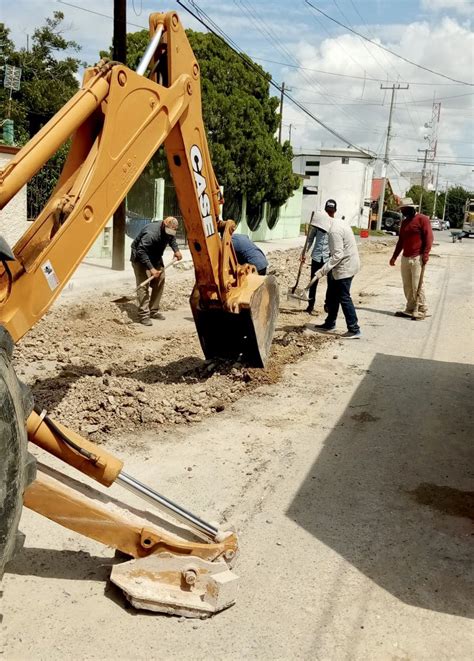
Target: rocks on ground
column 92, row 368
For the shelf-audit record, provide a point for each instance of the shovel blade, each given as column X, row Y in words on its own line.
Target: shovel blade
column 246, row 334
column 298, row 294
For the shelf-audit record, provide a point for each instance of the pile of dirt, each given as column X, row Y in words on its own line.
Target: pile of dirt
column 96, row 371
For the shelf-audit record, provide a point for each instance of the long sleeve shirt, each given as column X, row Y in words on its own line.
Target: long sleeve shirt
column 416, row 237
column 344, row 261
column 150, row 244
column 248, row 253
column 319, row 238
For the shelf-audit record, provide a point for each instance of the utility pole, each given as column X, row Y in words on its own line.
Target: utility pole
column 282, row 96
column 394, row 87
column 445, row 199
column 289, row 133
column 436, row 191
column 423, row 175
column 119, row 55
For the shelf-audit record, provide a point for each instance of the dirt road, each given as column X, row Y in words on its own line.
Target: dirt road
column 348, row 475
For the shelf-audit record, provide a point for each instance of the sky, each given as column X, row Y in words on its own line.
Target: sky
column 335, row 74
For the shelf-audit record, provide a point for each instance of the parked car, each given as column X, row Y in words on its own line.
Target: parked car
column 437, row 224
column 391, row 221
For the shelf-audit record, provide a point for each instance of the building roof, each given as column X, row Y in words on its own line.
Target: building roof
column 377, row 189
column 333, row 151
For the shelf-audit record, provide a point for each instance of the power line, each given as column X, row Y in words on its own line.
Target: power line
column 268, row 33
column 347, row 75
column 98, row 13
column 401, row 57
column 220, row 34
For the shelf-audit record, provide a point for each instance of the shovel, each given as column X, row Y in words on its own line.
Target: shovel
column 302, row 294
column 126, row 299
column 294, row 292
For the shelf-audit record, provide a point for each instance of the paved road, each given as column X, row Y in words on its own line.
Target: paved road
column 348, row 483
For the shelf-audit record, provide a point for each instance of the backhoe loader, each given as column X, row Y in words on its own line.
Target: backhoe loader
column 116, row 122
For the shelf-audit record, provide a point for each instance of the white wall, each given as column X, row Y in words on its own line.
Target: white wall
column 347, row 183
column 13, row 222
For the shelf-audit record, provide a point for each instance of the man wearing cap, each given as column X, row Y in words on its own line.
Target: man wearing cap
column 340, row 269
column 318, row 239
column 147, row 261
column 415, row 240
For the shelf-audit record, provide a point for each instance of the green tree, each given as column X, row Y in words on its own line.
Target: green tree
column 456, row 200
column 48, row 80
column 426, row 203
column 241, row 120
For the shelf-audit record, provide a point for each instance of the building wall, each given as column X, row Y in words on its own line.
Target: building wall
column 287, row 226
column 340, row 176
column 13, row 217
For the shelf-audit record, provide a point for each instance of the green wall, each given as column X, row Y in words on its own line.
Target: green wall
column 287, row 226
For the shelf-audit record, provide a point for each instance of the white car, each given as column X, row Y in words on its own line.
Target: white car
column 436, row 224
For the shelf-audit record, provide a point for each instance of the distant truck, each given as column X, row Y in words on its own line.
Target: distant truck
column 468, row 221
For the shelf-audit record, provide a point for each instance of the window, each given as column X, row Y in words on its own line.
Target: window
column 345, row 160
column 311, row 173
column 312, row 163
column 310, row 190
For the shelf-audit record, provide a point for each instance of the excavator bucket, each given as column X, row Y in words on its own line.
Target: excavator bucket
column 246, row 334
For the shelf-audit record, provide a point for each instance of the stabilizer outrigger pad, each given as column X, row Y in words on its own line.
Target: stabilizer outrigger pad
column 187, row 586
column 245, row 335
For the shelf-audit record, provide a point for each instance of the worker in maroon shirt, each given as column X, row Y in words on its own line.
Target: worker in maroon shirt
column 415, row 239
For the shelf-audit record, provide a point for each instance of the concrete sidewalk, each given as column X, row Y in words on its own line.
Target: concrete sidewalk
column 97, row 274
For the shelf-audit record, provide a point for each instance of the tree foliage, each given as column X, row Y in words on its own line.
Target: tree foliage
column 428, row 200
column 457, row 196
column 241, row 120
column 48, row 80
column 48, row 77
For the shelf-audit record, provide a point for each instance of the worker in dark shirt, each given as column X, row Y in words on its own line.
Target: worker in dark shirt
column 247, row 253
column 415, row 240
column 147, row 260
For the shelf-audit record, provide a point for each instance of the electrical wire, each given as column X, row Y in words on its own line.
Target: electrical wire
column 347, row 75
column 268, row 33
column 63, row 437
column 401, row 57
column 210, row 25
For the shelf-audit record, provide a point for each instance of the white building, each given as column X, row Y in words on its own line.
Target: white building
column 344, row 175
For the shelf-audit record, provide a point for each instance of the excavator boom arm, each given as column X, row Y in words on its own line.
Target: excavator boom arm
column 117, row 121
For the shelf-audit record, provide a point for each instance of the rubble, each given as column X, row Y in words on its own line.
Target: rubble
column 96, row 371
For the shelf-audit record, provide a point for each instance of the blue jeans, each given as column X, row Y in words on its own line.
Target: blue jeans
column 339, row 294
column 315, row 266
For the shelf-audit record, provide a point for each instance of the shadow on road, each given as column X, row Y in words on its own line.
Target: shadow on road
column 390, row 489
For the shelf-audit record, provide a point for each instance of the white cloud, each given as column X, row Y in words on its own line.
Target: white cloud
column 359, row 109
column 460, row 6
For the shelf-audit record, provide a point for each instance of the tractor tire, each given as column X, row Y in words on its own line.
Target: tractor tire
column 17, row 467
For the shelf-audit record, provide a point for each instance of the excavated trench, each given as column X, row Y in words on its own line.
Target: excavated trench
column 92, row 368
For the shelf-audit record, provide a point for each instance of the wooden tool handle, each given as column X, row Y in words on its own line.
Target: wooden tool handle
column 303, row 253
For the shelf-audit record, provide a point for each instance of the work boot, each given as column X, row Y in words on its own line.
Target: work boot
column 146, row 321
column 157, row 315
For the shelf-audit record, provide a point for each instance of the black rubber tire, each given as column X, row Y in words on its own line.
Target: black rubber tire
column 17, row 467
